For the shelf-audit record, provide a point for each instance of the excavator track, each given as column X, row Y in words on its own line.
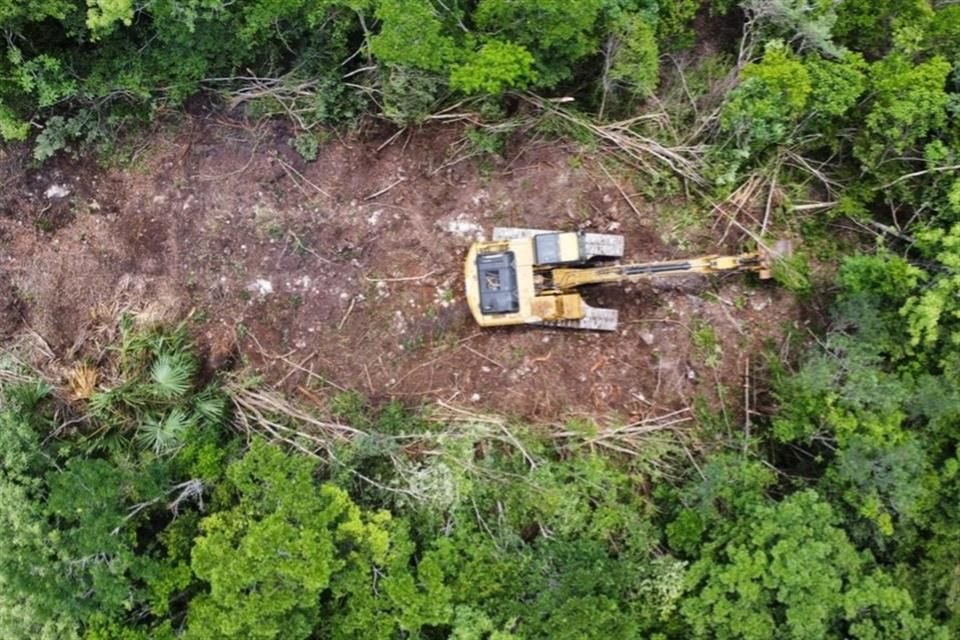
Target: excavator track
column 594, row 319
column 595, row 245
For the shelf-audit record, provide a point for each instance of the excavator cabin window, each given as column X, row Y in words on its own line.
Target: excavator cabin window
column 497, row 273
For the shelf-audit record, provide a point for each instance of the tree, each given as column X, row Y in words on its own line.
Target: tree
column 867, row 25
column 558, row 33
column 635, row 57
column 411, row 34
column 32, row 605
column 787, row 570
column 771, row 97
column 268, row 558
column 807, row 22
column 908, row 103
column 495, row 67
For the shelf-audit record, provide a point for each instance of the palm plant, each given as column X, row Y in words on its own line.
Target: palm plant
column 164, row 435
column 171, row 375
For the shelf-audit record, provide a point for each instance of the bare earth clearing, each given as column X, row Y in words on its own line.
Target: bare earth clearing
column 279, row 262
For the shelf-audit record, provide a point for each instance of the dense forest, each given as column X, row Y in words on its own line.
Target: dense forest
column 145, row 496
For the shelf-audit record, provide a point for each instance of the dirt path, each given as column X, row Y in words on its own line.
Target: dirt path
column 349, row 268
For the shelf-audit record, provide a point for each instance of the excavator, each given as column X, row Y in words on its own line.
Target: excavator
column 533, row 276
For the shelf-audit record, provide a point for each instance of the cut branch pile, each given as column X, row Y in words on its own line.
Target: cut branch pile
column 643, row 152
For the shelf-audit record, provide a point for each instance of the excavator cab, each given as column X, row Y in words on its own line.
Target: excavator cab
column 532, row 276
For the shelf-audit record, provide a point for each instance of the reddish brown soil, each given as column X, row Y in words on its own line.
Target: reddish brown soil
column 280, row 262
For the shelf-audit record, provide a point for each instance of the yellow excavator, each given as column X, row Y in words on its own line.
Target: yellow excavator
column 531, row 276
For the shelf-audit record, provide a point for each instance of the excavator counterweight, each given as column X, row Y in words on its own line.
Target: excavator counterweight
column 532, row 276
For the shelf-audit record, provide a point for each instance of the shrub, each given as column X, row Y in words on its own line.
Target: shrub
column 495, row 67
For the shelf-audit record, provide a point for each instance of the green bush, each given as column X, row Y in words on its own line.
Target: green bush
column 307, row 145
column 771, row 97
column 495, row 67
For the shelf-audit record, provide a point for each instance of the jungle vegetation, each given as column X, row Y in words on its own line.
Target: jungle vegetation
column 836, row 516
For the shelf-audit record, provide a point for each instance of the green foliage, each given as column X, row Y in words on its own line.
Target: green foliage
column 674, row 20
column 269, row 557
column 565, row 31
column 942, row 35
column 908, row 102
column 838, row 519
column 412, row 35
column 793, row 272
column 81, row 546
column 495, row 67
column 836, row 85
column 409, row 95
column 635, row 62
column 772, row 95
column 886, row 485
column 171, row 375
column 307, row 145
column 59, row 133
column 43, row 76
column 883, row 275
column 484, row 141
column 788, row 570
column 102, row 14
column 30, row 603
column 11, row 127
column 868, row 25
column 164, row 434
column 931, row 315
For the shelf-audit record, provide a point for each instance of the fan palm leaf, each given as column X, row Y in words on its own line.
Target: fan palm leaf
column 171, row 376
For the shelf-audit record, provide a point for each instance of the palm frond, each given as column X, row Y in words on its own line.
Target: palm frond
column 211, row 405
column 82, row 382
column 103, row 404
column 164, row 434
column 171, row 375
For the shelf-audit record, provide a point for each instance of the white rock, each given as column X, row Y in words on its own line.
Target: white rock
column 475, row 397
column 56, row 192
column 647, row 337
column 465, row 228
column 399, row 322
column 261, row 287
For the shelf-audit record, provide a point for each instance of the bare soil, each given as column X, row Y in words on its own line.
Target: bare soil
column 345, row 273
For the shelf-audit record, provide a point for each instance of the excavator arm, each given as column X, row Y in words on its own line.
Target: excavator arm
column 565, row 279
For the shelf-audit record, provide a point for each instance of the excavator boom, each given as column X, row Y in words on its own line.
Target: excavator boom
column 565, row 278
column 532, row 276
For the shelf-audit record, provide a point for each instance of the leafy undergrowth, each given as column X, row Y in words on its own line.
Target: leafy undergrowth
column 140, row 501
